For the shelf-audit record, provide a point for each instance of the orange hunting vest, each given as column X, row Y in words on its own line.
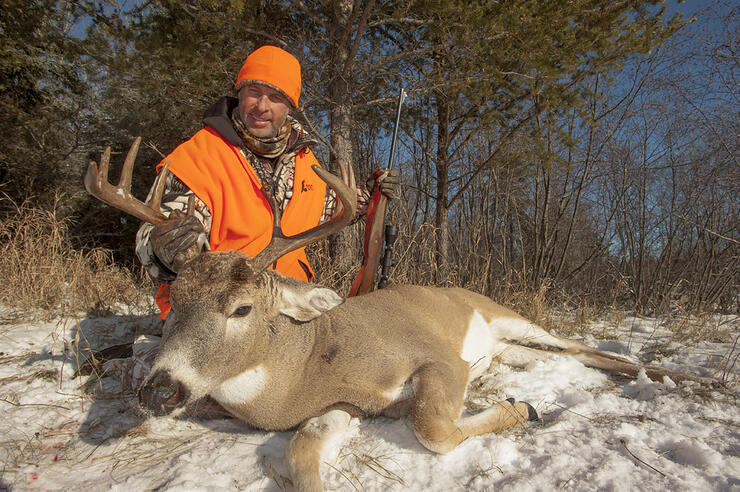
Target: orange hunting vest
column 222, row 177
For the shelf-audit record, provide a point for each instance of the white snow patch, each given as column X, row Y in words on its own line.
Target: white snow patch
column 614, row 346
column 548, row 379
column 643, row 388
column 692, row 452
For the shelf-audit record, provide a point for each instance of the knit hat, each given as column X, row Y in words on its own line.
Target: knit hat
column 275, row 67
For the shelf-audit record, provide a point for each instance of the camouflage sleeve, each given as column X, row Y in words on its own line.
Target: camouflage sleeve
column 175, row 197
column 330, row 204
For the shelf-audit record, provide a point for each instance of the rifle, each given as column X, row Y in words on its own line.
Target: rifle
column 374, row 220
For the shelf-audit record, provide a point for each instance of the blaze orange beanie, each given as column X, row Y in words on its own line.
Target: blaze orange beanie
column 275, row 67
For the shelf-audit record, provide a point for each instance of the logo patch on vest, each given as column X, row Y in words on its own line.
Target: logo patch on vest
column 306, row 187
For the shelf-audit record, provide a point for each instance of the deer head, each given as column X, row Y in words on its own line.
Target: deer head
column 228, row 318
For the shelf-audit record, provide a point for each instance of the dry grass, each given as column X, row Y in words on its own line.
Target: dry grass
column 42, row 271
column 46, row 374
column 355, row 458
column 415, row 263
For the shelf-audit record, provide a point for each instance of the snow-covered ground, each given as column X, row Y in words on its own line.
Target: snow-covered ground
column 598, row 431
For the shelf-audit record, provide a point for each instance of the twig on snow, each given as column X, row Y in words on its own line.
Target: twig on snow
column 571, row 411
column 624, row 444
column 33, row 404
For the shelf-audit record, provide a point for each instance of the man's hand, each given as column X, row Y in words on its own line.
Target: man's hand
column 386, row 179
column 176, row 241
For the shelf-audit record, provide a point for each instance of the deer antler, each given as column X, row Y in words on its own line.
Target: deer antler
column 280, row 244
column 120, row 197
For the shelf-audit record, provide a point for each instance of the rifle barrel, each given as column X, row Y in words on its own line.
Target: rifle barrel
column 401, row 97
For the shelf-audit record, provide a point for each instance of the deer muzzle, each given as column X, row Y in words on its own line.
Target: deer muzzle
column 161, row 395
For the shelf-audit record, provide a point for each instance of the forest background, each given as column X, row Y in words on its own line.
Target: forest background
column 580, row 153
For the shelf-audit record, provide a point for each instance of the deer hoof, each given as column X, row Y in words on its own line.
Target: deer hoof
column 532, row 413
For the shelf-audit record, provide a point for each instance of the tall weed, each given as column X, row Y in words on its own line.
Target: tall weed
column 40, row 270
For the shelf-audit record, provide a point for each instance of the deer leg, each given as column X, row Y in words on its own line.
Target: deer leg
column 498, row 417
column 524, row 331
column 521, row 330
column 608, row 362
column 311, row 441
column 520, row 356
column 438, row 404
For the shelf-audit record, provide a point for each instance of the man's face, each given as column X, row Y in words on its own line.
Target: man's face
column 263, row 109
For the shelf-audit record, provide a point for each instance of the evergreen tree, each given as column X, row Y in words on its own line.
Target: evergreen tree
column 43, row 92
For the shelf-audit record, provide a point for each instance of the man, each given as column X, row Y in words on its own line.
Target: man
column 247, row 144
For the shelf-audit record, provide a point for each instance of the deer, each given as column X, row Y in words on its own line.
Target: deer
column 281, row 354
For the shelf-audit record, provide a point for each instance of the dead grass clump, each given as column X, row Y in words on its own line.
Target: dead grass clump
column 327, row 273
column 41, row 270
column 352, row 461
column 45, row 374
column 709, row 327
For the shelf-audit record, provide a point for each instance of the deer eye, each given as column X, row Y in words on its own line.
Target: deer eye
column 241, row 311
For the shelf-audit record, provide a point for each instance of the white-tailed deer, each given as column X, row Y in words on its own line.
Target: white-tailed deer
column 281, row 354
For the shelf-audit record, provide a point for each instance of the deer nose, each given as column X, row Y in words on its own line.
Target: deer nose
column 161, row 394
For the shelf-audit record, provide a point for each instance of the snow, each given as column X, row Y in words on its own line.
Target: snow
column 598, row 431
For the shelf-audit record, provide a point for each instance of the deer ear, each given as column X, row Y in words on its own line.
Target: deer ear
column 304, row 302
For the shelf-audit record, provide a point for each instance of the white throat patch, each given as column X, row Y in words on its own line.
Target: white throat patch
column 242, row 388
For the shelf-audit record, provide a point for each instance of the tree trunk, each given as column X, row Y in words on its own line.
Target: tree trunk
column 442, row 221
column 342, row 245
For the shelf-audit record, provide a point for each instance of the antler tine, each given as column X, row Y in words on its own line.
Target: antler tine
column 277, row 213
column 155, row 202
column 124, row 183
column 280, row 244
column 96, row 183
column 347, row 173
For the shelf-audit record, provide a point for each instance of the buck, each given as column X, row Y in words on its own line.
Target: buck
column 283, row 354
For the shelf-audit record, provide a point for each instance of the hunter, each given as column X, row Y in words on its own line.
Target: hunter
column 247, row 141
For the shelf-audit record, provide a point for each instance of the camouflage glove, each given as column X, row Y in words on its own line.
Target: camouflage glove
column 176, row 241
column 387, row 180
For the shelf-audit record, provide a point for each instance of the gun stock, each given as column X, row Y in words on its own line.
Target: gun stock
column 374, row 224
column 373, row 243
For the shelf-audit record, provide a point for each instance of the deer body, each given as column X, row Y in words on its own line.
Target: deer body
column 285, row 370
column 279, row 353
